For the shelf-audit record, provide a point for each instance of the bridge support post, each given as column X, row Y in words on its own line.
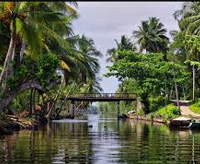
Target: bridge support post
column 118, row 109
column 73, row 108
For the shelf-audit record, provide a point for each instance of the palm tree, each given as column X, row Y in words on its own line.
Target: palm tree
column 151, row 36
column 177, row 48
column 179, row 13
column 190, row 18
column 45, row 27
column 30, row 23
column 124, row 44
column 189, row 23
column 32, row 26
column 83, row 59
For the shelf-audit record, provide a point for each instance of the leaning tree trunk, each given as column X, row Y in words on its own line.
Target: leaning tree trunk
column 34, row 92
column 31, row 102
column 9, row 52
column 51, row 110
column 12, row 94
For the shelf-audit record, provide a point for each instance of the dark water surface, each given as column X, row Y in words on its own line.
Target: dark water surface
column 106, row 142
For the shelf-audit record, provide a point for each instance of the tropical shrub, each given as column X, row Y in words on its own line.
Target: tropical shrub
column 156, row 102
column 167, row 112
column 196, row 106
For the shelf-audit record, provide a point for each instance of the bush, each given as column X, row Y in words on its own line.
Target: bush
column 140, row 111
column 155, row 103
column 167, row 112
column 196, row 106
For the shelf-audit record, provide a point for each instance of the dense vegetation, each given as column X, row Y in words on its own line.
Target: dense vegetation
column 41, row 58
column 159, row 70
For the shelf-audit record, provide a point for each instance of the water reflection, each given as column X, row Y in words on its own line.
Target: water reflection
column 100, row 139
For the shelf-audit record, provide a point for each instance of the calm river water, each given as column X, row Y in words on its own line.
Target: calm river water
column 101, row 140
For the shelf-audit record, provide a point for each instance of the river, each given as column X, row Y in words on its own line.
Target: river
column 101, row 140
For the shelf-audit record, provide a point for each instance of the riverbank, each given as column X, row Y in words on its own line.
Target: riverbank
column 184, row 111
column 10, row 124
column 146, row 118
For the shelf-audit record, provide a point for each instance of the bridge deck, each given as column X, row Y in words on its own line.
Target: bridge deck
column 99, row 99
column 102, row 97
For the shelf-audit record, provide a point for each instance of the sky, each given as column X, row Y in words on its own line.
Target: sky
column 106, row 21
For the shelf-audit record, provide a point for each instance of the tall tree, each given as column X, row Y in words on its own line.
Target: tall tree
column 29, row 25
column 124, row 44
column 189, row 21
column 151, row 36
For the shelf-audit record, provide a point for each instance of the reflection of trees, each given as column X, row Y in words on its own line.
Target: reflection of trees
column 6, row 148
column 32, row 147
column 135, row 141
column 152, row 143
column 65, row 142
column 72, row 142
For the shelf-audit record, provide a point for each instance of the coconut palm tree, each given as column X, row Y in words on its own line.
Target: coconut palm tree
column 189, row 22
column 190, row 18
column 177, row 47
column 83, row 59
column 30, row 23
column 151, row 36
column 124, row 44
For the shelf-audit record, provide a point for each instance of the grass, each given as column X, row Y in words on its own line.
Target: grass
column 167, row 112
column 195, row 107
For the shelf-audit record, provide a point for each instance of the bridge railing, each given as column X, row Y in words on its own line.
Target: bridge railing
column 99, row 95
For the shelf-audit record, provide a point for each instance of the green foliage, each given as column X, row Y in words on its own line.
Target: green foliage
column 149, row 73
column 140, row 111
column 151, row 36
column 43, row 69
column 45, row 42
column 20, row 102
column 11, row 82
column 124, row 44
column 196, row 106
column 193, row 41
column 155, row 103
column 111, row 107
column 46, row 67
column 170, row 111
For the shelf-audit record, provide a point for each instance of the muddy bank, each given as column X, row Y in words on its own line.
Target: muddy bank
column 12, row 123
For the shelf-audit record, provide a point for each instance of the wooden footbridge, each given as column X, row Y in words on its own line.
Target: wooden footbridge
column 105, row 97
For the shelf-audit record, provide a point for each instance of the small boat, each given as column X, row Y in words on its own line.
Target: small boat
column 180, row 122
column 123, row 116
column 194, row 125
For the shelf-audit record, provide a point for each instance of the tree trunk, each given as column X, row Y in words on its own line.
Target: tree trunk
column 9, row 52
column 176, row 90
column 51, row 111
column 145, row 102
column 166, row 95
column 193, row 92
column 21, row 52
column 31, row 102
column 170, row 95
column 9, row 70
column 138, row 104
column 34, row 93
column 11, row 95
column 184, row 97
